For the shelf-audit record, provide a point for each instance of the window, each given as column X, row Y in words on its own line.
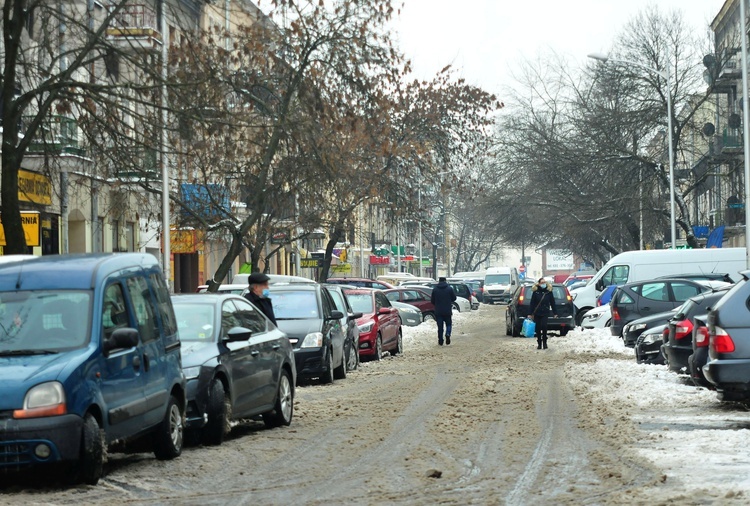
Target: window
column 392, row 296
column 616, row 275
column 164, row 305
column 683, row 291
column 129, row 236
column 622, row 297
column 654, row 291
column 360, row 302
column 229, row 319
column 115, row 236
column 381, row 301
column 295, row 305
column 249, row 317
column 195, row 321
column 410, row 296
column 114, row 312
column 338, row 299
column 145, row 310
column 328, row 305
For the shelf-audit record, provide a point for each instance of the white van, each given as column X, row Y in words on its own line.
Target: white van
column 640, row 265
column 499, row 284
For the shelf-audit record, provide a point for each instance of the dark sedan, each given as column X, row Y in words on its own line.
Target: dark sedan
column 643, row 298
column 699, row 358
column 679, row 344
column 633, row 330
column 648, row 345
column 728, row 367
column 519, row 308
column 308, row 315
column 236, row 362
column 348, row 322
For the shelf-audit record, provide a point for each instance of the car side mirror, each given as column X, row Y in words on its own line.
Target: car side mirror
column 237, row 334
column 336, row 315
column 384, row 310
column 355, row 316
column 599, row 285
column 121, row 339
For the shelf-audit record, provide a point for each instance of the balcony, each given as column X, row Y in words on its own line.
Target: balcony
column 135, row 28
column 731, row 141
column 140, row 164
column 56, row 135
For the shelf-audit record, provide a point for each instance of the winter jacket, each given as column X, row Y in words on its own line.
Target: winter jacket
column 442, row 298
column 264, row 304
column 542, row 301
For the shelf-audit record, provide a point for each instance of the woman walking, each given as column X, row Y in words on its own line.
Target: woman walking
column 542, row 306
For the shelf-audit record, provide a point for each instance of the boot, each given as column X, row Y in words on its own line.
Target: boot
column 539, row 344
column 544, row 343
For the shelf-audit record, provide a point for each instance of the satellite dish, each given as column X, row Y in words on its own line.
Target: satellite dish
column 709, row 61
column 709, row 129
column 734, row 120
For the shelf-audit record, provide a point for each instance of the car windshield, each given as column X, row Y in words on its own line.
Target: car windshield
column 195, row 321
column 44, row 321
column 360, row 302
column 497, row 279
column 291, row 305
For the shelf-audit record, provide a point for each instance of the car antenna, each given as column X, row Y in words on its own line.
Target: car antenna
column 18, row 279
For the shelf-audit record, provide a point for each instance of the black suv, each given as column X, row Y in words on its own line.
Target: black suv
column 678, row 346
column 643, row 298
column 519, row 308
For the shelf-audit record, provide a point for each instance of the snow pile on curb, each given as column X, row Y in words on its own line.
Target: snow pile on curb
column 593, row 342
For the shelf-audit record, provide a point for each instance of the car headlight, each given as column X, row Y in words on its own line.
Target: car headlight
column 366, row 327
column 45, row 399
column 192, row 372
column 412, row 310
column 313, row 340
column 651, row 338
column 637, row 326
column 593, row 317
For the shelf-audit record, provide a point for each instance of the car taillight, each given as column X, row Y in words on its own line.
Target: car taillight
column 568, row 297
column 520, row 298
column 721, row 341
column 701, row 337
column 665, row 334
column 615, row 314
column 682, row 329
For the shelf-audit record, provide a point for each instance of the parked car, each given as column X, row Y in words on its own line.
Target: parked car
column 379, row 325
column 461, row 289
column 648, row 345
column 410, row 315
column 361, row 283
column 230, row 288
column 237, row 364
column 632, row 330
column 728, row 367
column 679, row 343
column 77, row 333
column 499, row 284
column 474, row 303
column 459, row 305
column 241, row 279
column 702, row 276
column 348, row 322
column 476, row 286
column 416, row 298
column 606, row 295
column 598, row 318
column 576, row 278
column 307, row 314
column 699, row 357
column 644, row 298
column 519, row 308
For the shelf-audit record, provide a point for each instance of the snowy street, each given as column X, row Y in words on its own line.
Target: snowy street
column 486, row 420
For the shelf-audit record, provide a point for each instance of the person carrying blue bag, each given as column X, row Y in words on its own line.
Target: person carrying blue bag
column 543, row 304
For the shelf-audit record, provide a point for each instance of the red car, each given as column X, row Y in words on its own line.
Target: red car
column 416, row 298
column 361, row 283
column 379, row 326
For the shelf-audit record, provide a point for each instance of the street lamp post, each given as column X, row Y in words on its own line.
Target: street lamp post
column 604, row 58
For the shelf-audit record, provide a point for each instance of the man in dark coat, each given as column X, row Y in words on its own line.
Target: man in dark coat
column 542, row 306
column 259, row 294
column 442, row 298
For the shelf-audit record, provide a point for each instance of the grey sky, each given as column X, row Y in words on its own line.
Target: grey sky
column 485, row 39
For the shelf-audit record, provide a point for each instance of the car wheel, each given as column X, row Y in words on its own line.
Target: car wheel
column 91, row 465
column 399, row 344
column 283, row 410
column 609, row 323
column 517, row 330
column 563, row 332
column 456, row 307
column 352, row 362
column 378, row 348
column 340, row 372
column 428, row 317
column 219, row 411
column 327, row 377
column 168, row 435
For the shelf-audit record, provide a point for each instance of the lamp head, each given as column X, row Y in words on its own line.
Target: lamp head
column 599, row 57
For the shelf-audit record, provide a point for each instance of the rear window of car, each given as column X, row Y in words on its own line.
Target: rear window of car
column 558, row 292
column 295, row 305
column 683, row 291
column 622, row 297
column 195, row 321
column 360, row 302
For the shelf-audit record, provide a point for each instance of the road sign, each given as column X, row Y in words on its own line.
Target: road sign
column 522, row 268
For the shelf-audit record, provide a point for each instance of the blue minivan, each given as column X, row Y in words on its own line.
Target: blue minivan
column 89, row 355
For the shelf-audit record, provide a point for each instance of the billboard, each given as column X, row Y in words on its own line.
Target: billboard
column 560, row 260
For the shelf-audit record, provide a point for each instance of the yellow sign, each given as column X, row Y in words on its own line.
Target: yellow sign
column 33, row 187
column 342, row 269
column 183, row 241
column 30, row 222
column 310, row 263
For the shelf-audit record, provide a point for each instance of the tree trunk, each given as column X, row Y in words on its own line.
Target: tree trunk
column 234, row 250
column 336, row 235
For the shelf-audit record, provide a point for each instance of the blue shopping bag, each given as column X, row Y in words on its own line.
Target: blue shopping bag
column 529, row 328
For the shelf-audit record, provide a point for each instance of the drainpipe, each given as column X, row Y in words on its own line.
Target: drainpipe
column 165, row 218
column 97, row 236
column 64, row 197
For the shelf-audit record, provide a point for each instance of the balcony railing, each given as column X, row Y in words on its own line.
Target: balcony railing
column 140, row 163
column 136, row 26
column 731, row 140
column 56, row 134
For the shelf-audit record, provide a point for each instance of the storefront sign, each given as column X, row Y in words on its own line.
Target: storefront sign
column 341, row 269
column 279, row 238
column 35, row 188
column 183, row 241
column 375, row 260
column 31, row 226
column 310, row 263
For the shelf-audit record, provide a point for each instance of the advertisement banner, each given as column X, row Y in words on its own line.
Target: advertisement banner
column 31, row 226
column 341, row 269
column 560, row 260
